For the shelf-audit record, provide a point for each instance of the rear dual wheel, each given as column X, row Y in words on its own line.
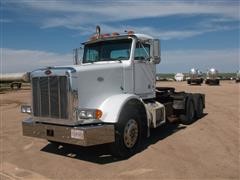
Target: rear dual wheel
column 189, row 115
column 192, row 110
column 199, row 108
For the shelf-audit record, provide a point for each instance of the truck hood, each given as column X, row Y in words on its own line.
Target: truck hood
column 93, row 83
column 96, row 82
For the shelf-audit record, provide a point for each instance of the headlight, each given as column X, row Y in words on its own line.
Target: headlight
column 89, row 114
column 26, row 109
column 82, row 115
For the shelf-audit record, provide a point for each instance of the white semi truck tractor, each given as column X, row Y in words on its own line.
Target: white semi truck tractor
column 110, row 97
column 212, row 77
column 195, row 77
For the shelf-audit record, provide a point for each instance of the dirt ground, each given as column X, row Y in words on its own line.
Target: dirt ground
column 207, row 149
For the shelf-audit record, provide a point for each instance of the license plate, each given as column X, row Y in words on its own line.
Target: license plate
column 77, row 134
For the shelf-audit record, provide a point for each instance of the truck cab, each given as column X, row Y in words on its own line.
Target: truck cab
column 108, row 97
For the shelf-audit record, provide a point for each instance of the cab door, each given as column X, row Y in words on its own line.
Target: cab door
column 144, row 71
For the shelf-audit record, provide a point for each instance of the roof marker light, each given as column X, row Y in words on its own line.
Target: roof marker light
column 115, row 34
column 130, row 32
column 106, row 35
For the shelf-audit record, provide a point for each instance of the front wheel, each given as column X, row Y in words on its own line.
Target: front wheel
column 128, row 134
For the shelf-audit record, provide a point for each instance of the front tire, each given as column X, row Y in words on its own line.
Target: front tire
column 128, row 133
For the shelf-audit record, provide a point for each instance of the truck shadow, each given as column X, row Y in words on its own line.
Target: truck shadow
column 100, row 154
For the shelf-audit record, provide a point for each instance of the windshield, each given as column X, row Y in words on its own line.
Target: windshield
column 107, row 51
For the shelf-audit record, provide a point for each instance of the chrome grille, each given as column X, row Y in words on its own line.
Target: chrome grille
column 50, row 96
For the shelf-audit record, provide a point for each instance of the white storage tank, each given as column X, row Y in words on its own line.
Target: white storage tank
column 179, row 77
column 212, row 77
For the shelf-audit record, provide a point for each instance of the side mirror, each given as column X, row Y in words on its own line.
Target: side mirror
column 75, row 56
column 156, row 51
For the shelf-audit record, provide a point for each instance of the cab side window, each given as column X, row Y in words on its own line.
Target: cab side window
column 92, row 55
column 142, row 51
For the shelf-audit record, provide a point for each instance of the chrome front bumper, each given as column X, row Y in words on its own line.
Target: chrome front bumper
column 78, row 135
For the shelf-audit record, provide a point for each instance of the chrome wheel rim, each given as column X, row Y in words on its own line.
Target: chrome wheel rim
column 130, row 133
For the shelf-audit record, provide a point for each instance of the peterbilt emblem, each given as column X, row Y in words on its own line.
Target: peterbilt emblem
column 100, row 79
column 48, row 72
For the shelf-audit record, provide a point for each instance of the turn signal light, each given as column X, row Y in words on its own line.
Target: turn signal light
column 98, row 114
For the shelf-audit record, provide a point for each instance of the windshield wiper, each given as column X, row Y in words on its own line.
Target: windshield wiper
column 118, row 59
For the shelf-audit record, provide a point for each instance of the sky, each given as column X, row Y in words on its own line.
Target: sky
column 194, row 34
